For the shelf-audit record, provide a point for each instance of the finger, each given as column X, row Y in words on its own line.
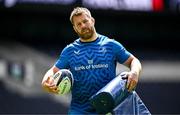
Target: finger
column 50, row 85
column 54, row 89
column 48, row 80
column 128, row 83
column 51, row 80
column 132, row 86
column 47, row 84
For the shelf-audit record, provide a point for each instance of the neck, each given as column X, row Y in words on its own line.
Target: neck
column 93, row 38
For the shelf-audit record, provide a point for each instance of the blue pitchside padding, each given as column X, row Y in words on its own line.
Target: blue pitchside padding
column 115, row 98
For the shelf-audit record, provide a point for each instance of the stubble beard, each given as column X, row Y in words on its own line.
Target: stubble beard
column 86, row 35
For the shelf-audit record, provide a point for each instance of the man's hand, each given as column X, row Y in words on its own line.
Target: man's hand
column 135, row 68
column 132, row 80
column 50, row 86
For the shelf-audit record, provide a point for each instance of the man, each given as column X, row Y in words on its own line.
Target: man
column 92, row 60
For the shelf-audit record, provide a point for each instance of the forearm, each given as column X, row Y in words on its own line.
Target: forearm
column 48, row 81
column 135, row 69
column 47, row 74
column 135, row 66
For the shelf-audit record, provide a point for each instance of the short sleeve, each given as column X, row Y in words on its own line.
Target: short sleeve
column 120, row 52
column 62, row 62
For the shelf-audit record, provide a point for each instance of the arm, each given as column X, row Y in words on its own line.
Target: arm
column 127, row 59
column 62, row 62
column 47, row 82
column 135, row 68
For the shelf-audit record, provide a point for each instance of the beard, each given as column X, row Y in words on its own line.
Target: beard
column 86, row 33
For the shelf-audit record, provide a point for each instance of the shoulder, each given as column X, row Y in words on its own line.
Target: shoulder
column 69, row 48
column 110, row 41
column 72, row 45
column 104, row 39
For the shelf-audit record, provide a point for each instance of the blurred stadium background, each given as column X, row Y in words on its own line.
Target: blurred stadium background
column 33, row 32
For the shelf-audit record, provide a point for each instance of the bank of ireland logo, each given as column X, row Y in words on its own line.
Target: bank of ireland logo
column 90, row 61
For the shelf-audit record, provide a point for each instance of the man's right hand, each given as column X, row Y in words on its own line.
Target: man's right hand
column 49, row 85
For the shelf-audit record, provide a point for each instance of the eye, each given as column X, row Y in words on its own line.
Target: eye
column 78, row 24
column 85, row 21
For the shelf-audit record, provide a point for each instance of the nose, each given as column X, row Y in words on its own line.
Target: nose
column 83, row 25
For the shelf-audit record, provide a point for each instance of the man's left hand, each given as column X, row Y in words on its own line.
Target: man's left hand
column 132, row 80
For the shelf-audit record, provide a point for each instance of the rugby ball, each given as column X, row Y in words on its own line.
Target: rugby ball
column 63, row 79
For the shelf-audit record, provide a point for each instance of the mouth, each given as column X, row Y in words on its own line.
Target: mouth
column 85, row 31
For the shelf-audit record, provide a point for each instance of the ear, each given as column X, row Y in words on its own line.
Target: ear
column 93, row 20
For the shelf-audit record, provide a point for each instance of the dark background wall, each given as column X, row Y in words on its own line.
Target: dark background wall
column 148, row 35
column 44, row 25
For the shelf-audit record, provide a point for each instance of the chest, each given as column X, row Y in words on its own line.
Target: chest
column 92, row 63
column 91, row 55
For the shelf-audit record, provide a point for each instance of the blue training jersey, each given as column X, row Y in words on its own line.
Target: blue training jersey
column 93, row 65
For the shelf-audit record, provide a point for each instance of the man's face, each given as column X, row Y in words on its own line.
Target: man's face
column 84, row 26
